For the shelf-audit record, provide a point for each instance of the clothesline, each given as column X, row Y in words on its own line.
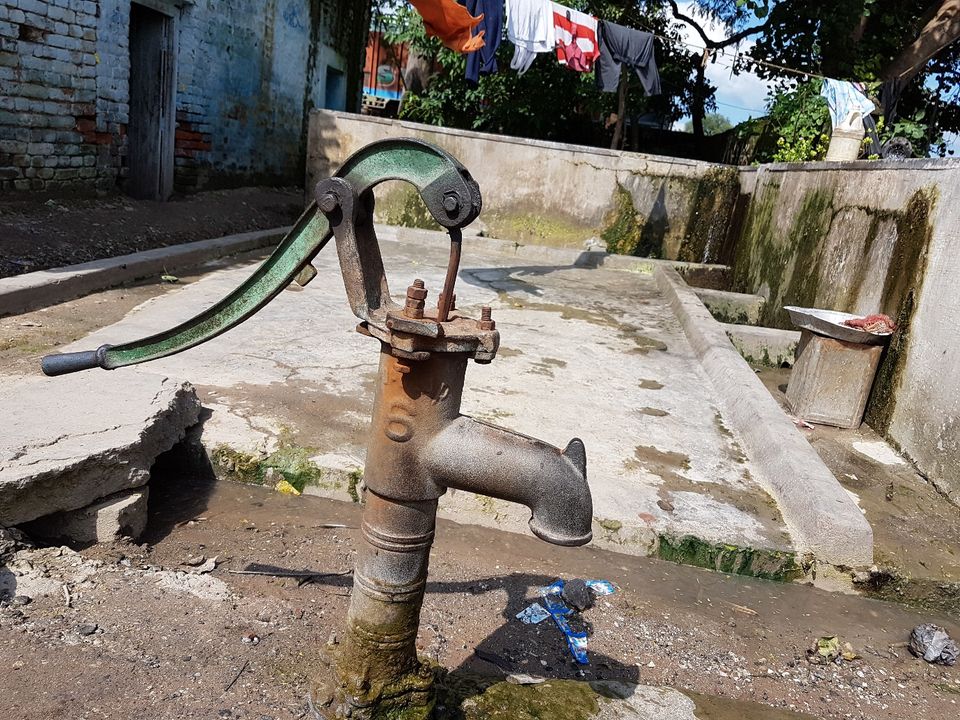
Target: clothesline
column 476, row 29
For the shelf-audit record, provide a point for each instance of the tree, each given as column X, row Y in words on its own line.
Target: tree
column 905, row 51
column 713, row 124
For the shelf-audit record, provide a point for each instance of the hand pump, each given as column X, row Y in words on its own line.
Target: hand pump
column 419, row 443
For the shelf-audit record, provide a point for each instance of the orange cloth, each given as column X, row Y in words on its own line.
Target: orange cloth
column 450, row 21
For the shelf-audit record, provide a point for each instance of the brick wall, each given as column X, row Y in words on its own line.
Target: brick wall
column 48, row 131
column 247, row 72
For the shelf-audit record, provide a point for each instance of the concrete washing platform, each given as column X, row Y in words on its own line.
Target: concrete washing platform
column 686, row 459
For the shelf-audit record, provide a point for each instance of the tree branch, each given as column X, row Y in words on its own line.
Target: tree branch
column 716, row 44
column 941, row 30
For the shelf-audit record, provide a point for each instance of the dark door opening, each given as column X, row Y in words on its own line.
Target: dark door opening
column 152, row 87
column 335, row 94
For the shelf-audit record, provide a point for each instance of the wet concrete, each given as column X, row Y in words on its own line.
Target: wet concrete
column 916, row 530
column 594, row 354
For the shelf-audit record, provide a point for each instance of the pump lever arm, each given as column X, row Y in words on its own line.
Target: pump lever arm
column 450, row 194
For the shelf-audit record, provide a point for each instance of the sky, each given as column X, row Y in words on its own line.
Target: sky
column 739, row 97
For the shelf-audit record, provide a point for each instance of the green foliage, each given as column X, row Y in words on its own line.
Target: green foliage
column 713, row 124
column 800, row 121
column 851, row 40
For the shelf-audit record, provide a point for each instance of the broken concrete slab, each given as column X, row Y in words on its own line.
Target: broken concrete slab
column 770, row 347
column 121, row 515
column 71, row 441
column 731, row 307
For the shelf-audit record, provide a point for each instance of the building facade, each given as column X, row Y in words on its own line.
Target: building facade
column 154, row 96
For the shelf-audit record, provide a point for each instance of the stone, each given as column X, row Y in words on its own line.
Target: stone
column 831, row 380
column 69, row 442
column 121, row 515
column 626, row 701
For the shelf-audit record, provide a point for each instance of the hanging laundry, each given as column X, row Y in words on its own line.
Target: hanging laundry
column 848, row 106
column 484, row 60
column 450, row 21
column 576, row 35
column 620, row 45
column 530, row 29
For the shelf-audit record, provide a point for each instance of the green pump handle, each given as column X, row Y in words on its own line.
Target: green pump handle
column 446, row 187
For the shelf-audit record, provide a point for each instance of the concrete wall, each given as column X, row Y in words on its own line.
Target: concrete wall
column 862, row 237
column 551, row 193
column 247, row 70
column 868, row 237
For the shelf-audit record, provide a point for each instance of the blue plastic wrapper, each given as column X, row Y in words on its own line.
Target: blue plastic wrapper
column 560, row 611
column 533, row 614
column 601, row 587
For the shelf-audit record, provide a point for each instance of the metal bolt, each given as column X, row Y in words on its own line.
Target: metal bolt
column 486, row 319
column 451, row 203
column 416, row 295
column 328, row 202
column 417, row 291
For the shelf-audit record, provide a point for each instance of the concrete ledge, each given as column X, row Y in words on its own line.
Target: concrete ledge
column 771, row 347
column 732, row 307
column 23, row 293
column 822, row 517
column 121, row 515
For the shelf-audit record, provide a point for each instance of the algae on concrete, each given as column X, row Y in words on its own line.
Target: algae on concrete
column 289, row 462
column 758, row 563
column 625, row 233
column 713, row 199
column 902, row 285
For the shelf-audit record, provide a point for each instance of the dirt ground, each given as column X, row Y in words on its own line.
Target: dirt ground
column 37, row 235
column 128, row 631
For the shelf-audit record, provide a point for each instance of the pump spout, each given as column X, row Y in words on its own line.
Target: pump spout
column 481, row 458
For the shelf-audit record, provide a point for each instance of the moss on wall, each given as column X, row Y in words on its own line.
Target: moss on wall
column 759, row 259
column 624, row 232
column 713, row 199
column 785, row 264
column 699, row 236
column 401, row 205
column 903, row 282
column 551, row 229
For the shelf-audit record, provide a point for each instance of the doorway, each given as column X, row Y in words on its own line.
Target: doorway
column 150, row 132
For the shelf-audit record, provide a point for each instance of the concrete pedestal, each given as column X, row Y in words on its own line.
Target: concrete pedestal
column 831, row 380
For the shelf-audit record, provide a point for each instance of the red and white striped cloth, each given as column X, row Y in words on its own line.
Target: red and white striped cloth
column 576, row 34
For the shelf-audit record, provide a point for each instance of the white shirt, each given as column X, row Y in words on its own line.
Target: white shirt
column 530, row 29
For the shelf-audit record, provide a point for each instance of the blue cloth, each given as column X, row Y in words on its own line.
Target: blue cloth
column 484, row 60
column 847, row 104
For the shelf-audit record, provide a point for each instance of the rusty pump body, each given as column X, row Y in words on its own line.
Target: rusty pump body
column 419, row 443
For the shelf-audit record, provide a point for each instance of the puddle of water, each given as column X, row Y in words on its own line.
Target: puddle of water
column 654, row 412
column 650, row 385
column 709, row 707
